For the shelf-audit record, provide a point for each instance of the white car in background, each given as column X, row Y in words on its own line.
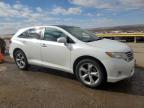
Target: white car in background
column 92, row 59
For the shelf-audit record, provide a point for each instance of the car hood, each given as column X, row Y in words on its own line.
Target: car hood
column 110, row 45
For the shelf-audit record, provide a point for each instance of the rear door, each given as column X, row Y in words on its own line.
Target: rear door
column 31, row 43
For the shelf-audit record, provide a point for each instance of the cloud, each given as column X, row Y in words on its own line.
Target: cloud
column 39, row 9
column 132, row 3
column 19, row 10
column 6, row 10
column 94, row 14
column 17, row 16
column 69, row 11
column 110, row 4
column 93, row 3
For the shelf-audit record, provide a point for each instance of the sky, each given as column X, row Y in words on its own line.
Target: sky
column 15, row 14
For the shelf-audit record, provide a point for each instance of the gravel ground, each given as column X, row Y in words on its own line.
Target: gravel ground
column 46, row 88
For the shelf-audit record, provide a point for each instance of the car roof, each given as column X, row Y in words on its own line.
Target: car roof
column 61, row 26
column 27, row 28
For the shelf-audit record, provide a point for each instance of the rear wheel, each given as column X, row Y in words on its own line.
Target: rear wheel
column 20, row 60
column 90, row 73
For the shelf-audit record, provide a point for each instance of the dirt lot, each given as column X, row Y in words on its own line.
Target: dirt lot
column 46, row 88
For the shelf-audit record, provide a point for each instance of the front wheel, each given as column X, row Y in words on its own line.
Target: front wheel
column 90, row 73
column 20, row 60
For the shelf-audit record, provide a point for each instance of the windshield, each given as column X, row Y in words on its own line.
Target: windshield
column 81, row 34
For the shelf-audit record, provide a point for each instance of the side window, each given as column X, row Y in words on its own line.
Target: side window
column 31, row 34
column 34, row 33
column 23, row 35
column 51, row 34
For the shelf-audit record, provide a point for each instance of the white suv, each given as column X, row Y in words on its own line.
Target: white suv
column 92, row 59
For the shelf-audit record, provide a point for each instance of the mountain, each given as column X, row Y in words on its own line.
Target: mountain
column 120, row 29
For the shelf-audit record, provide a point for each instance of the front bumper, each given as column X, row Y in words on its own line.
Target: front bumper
column 118, row 69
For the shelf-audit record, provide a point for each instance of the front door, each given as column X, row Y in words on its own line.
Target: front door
column 54, row 54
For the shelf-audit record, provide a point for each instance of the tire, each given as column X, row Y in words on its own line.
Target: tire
column 20, row 60
column 90, row 73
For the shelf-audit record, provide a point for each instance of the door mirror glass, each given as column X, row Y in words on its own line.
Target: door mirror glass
column 62, row 40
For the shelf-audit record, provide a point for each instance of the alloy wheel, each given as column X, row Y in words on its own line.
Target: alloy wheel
column 20, row 60
column 89, row 74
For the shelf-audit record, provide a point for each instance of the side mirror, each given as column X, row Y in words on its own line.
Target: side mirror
column 62, row 40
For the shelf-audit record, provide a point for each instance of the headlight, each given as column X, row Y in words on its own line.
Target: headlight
column 119, row 55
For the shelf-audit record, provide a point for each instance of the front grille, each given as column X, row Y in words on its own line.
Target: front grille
column 130, row 56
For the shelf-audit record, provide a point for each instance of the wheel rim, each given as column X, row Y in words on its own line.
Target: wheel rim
column 89, row 74
column 20, row 60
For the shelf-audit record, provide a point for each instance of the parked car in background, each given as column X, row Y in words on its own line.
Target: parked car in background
column 92, row 59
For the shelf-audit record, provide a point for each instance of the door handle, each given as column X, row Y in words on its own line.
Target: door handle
column 44, row 45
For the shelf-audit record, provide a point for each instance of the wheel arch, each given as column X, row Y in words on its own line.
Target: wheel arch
column 92, row 58
column 26, row 61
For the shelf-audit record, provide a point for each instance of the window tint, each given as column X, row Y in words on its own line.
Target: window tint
column 31, row 33
column 53, row 34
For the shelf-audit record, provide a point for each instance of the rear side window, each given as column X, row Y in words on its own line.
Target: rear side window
column 31, row 34
column 23, row 35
